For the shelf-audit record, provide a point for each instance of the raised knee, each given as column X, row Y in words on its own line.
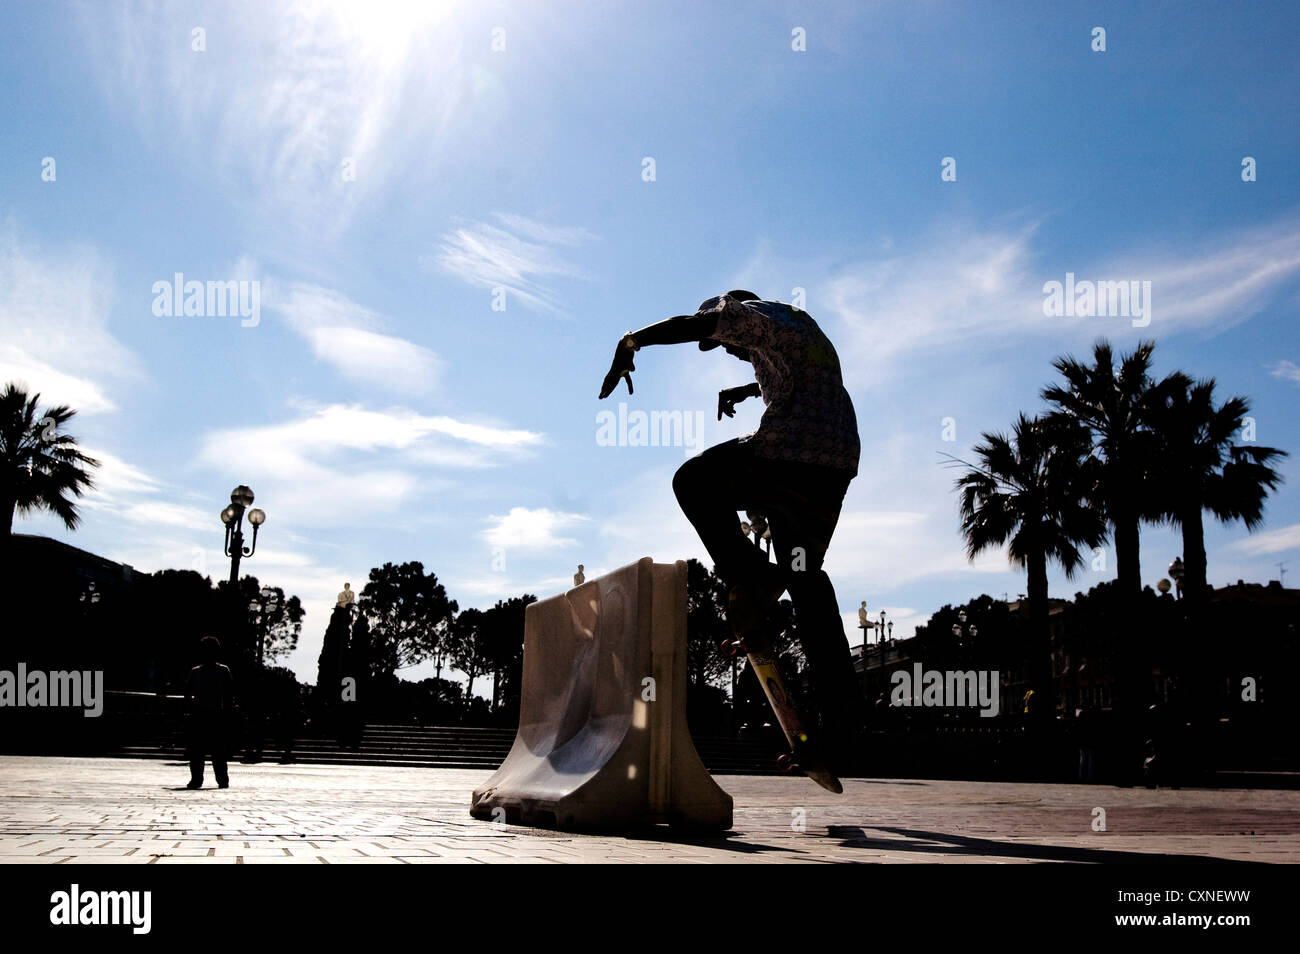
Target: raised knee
column 686, row 479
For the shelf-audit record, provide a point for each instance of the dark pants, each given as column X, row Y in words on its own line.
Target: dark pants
column 207, row 735
column 802, row 505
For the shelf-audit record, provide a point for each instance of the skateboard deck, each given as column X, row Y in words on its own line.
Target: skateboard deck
column 755, row 640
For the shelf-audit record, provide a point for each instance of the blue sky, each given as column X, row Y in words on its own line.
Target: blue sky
column 382, row 409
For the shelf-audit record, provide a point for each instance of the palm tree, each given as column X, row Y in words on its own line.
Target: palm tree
column 1116, row 406
column 1030, row 491
column 1202, row 469
column 40, row 465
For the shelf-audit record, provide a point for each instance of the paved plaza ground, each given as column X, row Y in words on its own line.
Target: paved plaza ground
column 128, row 811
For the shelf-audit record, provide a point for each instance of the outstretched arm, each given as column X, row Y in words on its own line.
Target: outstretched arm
column 676, row 330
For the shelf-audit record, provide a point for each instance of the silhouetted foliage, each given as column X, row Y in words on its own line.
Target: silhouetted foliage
column 706, row 625
column 1029, row 492
column 409, row 614
column 469, row 647
column 40, row 465
column 1201, row 467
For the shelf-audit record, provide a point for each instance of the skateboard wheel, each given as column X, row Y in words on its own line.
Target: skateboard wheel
column 733, row 646
column 786, row 762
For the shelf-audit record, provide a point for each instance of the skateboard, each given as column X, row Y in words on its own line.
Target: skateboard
column 754, row 637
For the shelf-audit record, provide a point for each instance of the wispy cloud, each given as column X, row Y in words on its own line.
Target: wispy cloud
column 1221, row 283
column 349, row 337
column 164, row 513
column 515, row 254
column 530, row 530
column 282, row 94
column 115, row 478
column 53, row 385
column 969, row 284
column 54, row 309
column 1287, row 370
column 963, row 285
column 342, row 464
column 1270, row 541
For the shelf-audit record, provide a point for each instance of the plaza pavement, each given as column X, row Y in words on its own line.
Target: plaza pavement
column 128, row 811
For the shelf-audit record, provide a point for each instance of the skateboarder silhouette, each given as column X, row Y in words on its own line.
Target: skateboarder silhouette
column 795, row 469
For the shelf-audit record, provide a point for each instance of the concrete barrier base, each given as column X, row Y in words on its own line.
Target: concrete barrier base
column 603, row 740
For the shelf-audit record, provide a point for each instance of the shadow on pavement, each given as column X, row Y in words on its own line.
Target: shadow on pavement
column 931, row 842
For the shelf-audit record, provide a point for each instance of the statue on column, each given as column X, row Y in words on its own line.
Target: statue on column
column 347, row 597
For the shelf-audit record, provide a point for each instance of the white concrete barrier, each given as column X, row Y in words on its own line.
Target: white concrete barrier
column 603, row 740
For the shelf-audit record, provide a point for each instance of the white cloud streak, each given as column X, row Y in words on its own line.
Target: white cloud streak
column 1287, row 371
column 962, row 287
column 348, row 337
column 532, row 530
column 54, row 309
column 1270, row 541
column 515, row 254
column 283, row 94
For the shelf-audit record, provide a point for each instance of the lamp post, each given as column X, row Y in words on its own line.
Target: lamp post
column 964, row 635
column 1176, row 571
column 241, row 498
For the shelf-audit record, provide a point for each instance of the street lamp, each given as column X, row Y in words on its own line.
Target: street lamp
column 964, row 634
column 1176, row 571
column 241, row 498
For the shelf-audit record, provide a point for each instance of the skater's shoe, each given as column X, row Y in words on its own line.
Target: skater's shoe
column 194, row 784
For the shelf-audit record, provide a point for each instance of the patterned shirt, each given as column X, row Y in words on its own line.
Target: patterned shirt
column 809, row 416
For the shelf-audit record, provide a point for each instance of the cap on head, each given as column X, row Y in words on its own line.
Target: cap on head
column 736, row 294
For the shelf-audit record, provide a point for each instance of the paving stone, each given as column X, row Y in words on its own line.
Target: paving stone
column 124, row 811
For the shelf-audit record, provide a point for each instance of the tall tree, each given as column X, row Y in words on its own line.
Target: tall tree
column 264, row 615
column 1115, row 404
column 40, row 465
column 468, row 648
column 706, row 624
column 503, row 629
column 409, row 613
column 329, row 666
column 1203, row 468
column 1029, row 492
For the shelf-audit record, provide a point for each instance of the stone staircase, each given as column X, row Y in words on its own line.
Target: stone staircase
column 459, row 747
